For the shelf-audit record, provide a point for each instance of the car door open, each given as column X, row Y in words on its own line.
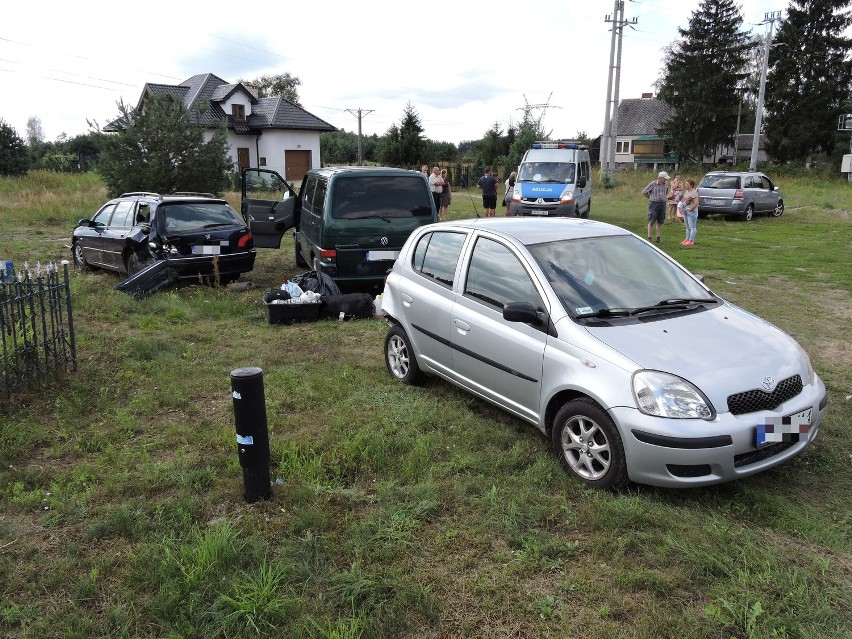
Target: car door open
column 268, row 205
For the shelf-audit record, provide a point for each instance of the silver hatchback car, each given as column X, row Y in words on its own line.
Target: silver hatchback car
column 630, row 365
column 745, row 194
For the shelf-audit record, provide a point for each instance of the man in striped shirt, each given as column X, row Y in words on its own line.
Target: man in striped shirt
column 656, row 193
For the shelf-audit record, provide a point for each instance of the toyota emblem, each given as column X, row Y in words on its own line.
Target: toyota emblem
column 383, row 241
column 768, row 383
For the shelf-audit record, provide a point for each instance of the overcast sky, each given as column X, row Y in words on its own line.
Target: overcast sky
column 462, row 67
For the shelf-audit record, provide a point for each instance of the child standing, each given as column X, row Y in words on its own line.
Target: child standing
column 690, row 212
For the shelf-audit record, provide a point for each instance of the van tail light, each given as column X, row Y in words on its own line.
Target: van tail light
column 328, row 254
column 245, row 240
column 739, row 194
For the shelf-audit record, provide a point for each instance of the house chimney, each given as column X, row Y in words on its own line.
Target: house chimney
column 647, row 96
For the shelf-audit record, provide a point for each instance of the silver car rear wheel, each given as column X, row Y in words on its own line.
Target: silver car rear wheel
column 778, row 211
column 399, row 357
column 749, row 213
column 588, row 445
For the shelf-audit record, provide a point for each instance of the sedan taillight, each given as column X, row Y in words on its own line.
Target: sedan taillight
column 245, row 240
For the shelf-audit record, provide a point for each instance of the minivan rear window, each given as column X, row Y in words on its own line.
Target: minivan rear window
column 397, row 196
column 720, row 182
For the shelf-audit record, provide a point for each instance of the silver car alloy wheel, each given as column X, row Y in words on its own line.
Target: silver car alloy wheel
column 586, row 448
column 398, row 357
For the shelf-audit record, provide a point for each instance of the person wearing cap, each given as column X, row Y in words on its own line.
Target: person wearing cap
column 656, row 192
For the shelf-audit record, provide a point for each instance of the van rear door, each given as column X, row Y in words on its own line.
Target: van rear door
column 269, row 206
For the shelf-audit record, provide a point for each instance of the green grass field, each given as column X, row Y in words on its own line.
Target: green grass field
column 398, row 511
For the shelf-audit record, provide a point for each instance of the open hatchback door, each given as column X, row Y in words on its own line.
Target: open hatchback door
column 269, row 206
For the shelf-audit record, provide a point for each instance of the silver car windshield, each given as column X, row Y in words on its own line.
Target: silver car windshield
column 612, row 276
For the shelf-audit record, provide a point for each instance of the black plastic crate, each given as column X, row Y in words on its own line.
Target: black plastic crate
column 288, row 313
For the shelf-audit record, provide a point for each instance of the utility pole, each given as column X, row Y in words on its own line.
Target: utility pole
column 359, row 113
column 771, row 18
column 611, row 124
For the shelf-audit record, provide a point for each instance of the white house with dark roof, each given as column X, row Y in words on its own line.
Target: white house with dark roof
column 270, row 133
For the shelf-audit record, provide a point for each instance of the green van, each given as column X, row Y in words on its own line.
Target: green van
column 350, row 222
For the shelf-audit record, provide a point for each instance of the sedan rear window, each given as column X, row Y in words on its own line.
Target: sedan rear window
column 192, row 216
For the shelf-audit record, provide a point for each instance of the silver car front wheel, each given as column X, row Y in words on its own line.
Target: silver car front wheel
column 588, row 445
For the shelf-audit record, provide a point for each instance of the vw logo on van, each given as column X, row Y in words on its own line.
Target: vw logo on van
column 383, row 241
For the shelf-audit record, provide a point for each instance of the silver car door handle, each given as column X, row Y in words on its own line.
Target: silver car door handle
column 462, row 327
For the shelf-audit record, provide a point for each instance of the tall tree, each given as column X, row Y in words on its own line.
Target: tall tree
column 809, row 80
column 13, row 152
column 35, row 132
column 390, row 149
column 162, row 150
column 411, row 140
column 283, row 84
column 701, row 76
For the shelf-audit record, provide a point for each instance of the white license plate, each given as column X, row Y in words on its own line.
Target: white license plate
column 713, row 202
column 378, row 256
column 783, row 429
column 203, row 249
column 534, row 212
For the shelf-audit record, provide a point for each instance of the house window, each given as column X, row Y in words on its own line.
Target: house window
column 262, row 162
column 239, row 112
column 622, row 147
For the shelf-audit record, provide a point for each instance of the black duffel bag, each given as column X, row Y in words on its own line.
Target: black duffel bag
column 352, row 305
column 318, row 282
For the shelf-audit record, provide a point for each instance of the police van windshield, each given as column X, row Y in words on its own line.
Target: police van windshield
column 562, row 172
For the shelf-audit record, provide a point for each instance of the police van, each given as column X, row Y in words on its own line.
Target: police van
column 554, row 179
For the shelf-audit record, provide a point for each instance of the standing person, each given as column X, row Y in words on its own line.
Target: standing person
column 656, row 193
column 690, row 212
column 424, row 169
column 446, row 196
column 674, row 196
column 510, row 190
column 488, row 185
column 436, row 185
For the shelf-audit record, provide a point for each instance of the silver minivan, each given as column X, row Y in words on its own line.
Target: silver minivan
column 630, row 365
column 744, row 194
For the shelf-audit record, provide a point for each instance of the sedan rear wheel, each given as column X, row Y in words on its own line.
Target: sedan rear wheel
column 399, row 357
column 132, row 263
column 588, row 445
column 778, row 211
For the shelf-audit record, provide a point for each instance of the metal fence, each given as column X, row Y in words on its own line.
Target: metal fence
column 36, row 326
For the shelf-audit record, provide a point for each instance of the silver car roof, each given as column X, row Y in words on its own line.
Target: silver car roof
column 532, row 230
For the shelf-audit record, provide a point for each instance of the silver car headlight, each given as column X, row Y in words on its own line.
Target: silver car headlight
column 806, row 360
column 665, row 395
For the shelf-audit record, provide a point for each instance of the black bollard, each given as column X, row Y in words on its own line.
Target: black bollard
column 252, row 433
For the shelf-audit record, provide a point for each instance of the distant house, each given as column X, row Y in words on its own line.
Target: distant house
column 637, row 139
column 269, row 133
column 730, row 154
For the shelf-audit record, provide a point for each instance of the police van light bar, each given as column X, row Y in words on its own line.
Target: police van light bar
column 556, row 145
